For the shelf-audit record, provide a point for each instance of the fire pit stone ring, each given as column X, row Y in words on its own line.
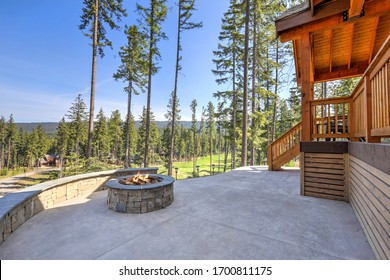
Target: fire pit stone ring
column 138, row 199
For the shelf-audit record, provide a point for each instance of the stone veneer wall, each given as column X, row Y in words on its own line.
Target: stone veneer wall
column 140, row 201
column 18, row 207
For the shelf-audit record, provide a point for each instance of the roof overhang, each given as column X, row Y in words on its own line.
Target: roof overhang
column 344, row 35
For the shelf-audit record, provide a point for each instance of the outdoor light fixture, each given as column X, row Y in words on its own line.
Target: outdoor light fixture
column 176, row 170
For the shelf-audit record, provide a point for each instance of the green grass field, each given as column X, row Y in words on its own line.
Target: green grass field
column 185, row 169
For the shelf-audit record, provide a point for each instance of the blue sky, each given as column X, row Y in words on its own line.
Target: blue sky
column 45, row 61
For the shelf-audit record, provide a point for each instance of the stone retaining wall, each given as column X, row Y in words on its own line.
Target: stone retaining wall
column 18, row 207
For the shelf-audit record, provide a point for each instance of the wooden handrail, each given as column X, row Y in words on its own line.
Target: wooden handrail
column 281, row 147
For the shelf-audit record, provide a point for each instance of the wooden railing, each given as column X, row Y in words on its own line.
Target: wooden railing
column 380, row 92
column 330, row 118
column 363, row 115
column 285, row 147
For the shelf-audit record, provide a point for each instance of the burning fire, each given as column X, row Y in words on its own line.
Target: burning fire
column 139, row 180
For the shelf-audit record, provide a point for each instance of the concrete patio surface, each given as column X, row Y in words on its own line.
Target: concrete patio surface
column 248, row 213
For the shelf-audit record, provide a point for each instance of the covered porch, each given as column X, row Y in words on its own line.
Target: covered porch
column 343, row 141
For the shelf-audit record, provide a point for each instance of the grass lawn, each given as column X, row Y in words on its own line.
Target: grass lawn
column 185, row 169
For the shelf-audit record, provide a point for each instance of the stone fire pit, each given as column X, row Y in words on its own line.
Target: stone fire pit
column 140, row 198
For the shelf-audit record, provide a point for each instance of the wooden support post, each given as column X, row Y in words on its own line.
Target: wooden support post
column 307, row 87
column 302, row 169
column 270, row 159
column 368, row 111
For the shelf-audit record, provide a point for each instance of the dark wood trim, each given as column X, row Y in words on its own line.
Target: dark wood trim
column 374, row 154
column 297, row 27
column 324, row 147
column 306, row 16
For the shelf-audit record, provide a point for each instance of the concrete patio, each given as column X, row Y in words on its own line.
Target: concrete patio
column 249, row 213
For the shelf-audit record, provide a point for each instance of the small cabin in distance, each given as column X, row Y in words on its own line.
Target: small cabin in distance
column 333, row 40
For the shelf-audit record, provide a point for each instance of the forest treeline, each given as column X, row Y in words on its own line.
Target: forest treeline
column 240, row 121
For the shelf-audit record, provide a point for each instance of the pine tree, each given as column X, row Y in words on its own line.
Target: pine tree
column 152, row 18
column 78, row 126
column 130, row 140
column 62, row 140
column 195, row 145
column 12, row 140
column 115, row 135
column 172, row 117
column 97, row 14
column 210, row 124
column 186, row 7
column 100, row 147
column 229, row 64
column 133, row 70
column 154, row 136
column 3, row 134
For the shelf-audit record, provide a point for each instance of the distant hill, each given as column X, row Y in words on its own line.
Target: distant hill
column 51, row 127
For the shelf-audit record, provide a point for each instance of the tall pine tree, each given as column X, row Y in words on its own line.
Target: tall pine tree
column 96, row 15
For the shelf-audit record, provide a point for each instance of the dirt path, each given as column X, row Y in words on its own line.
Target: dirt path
column 18, row 182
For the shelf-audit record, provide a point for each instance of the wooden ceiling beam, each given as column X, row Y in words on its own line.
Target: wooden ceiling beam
column 337, row 74
column 371, row 9
column 355, row 8
column 373, row 37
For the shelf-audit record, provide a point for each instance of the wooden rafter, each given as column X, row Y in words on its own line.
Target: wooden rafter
column 373, row 34
column 350, row 47
column 336, row 74
column 355, row 8
column 298, row 74
column 330, row 50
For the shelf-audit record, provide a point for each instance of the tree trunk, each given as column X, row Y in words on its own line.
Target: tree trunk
column 127, row 151
column 174, row 97
column 151, row 38
column 244, row 147
column 253, row 109
column 93, row 80
column 276, row 93
column 219, row 148
column 9, row 154
column 234, row 115
column 2, row 157
column 211, row 152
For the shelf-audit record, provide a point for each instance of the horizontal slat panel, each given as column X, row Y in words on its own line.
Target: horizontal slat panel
column 317, row 155
column 324, row 160
column 324, row 170
column 370, row 197
column 324, row 165
column 327, row 196
column 326, row 176
column 325, row 181
column 325, row 186
column 325, row 191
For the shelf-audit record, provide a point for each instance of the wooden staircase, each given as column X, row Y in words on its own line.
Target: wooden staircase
column 285, row 148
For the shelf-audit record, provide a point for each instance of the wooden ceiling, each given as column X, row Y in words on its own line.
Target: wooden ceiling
column 345, row 35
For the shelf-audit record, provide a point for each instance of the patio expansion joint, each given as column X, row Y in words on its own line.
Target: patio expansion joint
column 136, row 236
column 260, row 235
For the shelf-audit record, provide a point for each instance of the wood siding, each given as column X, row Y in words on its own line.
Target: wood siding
column 324, row 176
column 369, row 190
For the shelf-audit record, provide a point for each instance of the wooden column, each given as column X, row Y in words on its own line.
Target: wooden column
column 307, row 86
column 368, row 111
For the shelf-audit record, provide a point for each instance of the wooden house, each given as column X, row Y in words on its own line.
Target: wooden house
column 333, row 40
